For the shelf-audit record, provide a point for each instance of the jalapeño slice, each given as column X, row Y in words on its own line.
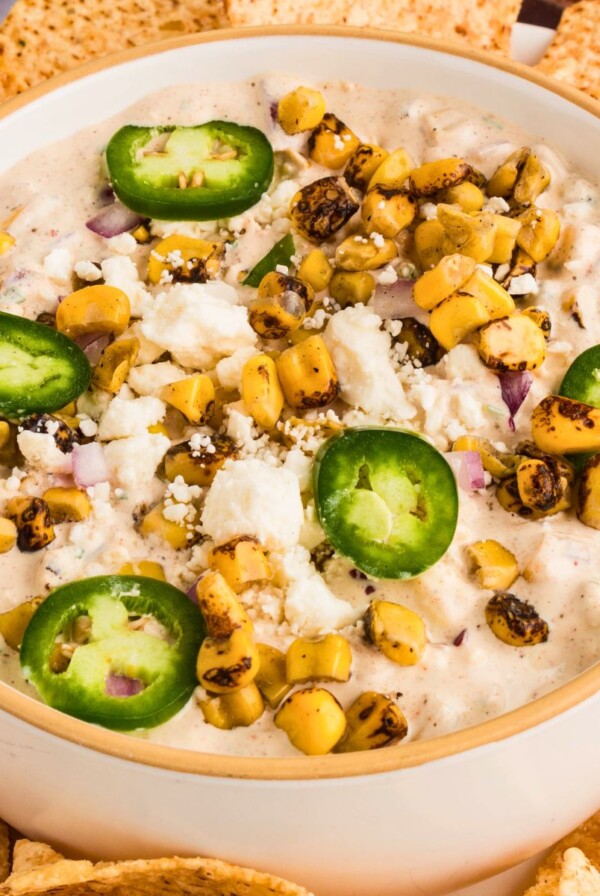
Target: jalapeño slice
column 133, row 644
column 386, row 499
column 582, row 383
column 281, row 253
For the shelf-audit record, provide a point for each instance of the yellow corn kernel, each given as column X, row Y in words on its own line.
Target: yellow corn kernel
column 495, row 464
column 467, row 195
column 522, row 177
column 184, row 259
column 8, row 535
column 67, row 505
column 522, row 263
column 456, row 318
column 322, row 207
column 512, row 343
column 307, row 375
column 514, row 621
column 236, row 710
column 6, row 242
column 194, row 397
column 261, row 391
column 328, row 659
column 102, row 310
column 387, row 211
column 241, row 561
column 313, row 720
column 351, row 287
column 33, row 522
column 564, row 426
column 503, row 180
column 539, row 233
column 300, row 110
column 281, row 304
column 432, row 177
column 472, row 235
column 4, row 433
column 420, row 345
column 373, row 721
column 445, row 278
column 360, row 253
column 14, row 622
column 396, row 631
column 494, row 298
column 363, row 164
column 271, row 676
column 198, row 466
column 141, row 234
column 227, row 664
column 393, row 171
column 147, row 568
column 332, row 143
column 431, row 244
column 495, row 566
column 220, row 607
column 505, row 239
column 541, row 319
column 159, row 429
column 315, row 270
column 541, row 487
column 114, row 365
column 588, row 501
column 509, row 499
column 155, row 523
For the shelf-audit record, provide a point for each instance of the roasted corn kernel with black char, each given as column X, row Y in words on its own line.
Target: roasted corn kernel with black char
column 185, row 259
column 538, row 484
column 8, row 535
column 541, row 318
column 521, row 263
column 327, row 659
column 33, row 521
column 261, row 391
column 227, row 664
column 431, row 244
column 373, row 721
column 307, row 374
column 588, row 499
column 281, row 305
column 351, row 287
column 64, row 437
column 494, row 565
column 431, row 177
column 565, row 426
column 114, row 365
column 332, row 144
column 514, row 621
column 271, row 676
column 14, row 622
column 387, row 211
column 396, row 631
column 322, row 208
column 241, row 561
column 512, row 343
column 363, row 164
column 199, row 466
column 422, row 348
column 521, row 178
column 222, row 611
column 239, row 709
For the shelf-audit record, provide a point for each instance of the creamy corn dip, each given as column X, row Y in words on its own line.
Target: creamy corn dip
column 466, row 674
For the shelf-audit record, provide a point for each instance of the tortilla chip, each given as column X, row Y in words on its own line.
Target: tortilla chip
column 560, row 868
column 153, row 877
column 41, row 38
column 28, row 854
column 574, row 54
column 4, row 851
column 579, row 877
column 485, row 25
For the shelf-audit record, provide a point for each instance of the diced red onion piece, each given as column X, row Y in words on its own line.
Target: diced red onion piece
column 514, row 385
column 460, row 638
column 94, row 348
column 468, row 469
column 394, row 300
column 123, row 686
column 113, row 220
column 106, row 194
column 191, row 592
column 89, row 465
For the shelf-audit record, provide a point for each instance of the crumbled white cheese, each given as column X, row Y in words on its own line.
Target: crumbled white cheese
column 462, row 362
column 387, row 276
column 88, row 426
column 310, row 608
column 149, row 351
column 300, row 465
column 496, row 205
column 149, row 379
column 58, row 265
column 133, row 461
column 123, row 419
column 198, row 323
column 42, row 452
column 121, row 272
column 229, row 370
column 122, row 244
column 524, row 284
column 88, row 271
column 501, row 272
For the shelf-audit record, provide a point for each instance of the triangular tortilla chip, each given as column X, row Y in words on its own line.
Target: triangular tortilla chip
column 586, row 840
column 579, row 877
column 4, row 851
column 574, row 54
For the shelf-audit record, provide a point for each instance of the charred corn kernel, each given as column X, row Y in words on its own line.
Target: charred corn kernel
column 332, row 143
column 421, row 344
column 467, row 195
column 33, row 521
column 539, row 233
column 328, row 659
column 241, row 561
column 522, row 176
column 361, row 253
column 431, row 244
column 432, row 177
column 114, row 365
column 505, row 239
column 515, row 621
column 184, row 259
column 67, row 505
column 8, row 535
column 147, row 568
column 396, row 631
column 351, row 287
column 373, row 721
column 456, row 318
column 541, row 319
column 227, row 664
column 194, row 397
column 322, row 207
column 495, row 566
column 387, row 210
column 281, row 305
column 472, row 235
column 14, row 622
column 199, row 466
column 564, row 426
column 4, row 433
column 222, row 611
column 494, row 298
column 6, row 242
column 363, row 164
column 307, row 375
column 522, row 263
column 261, row 391
column 588, row 499
column 237, row 710
column 499, row 466
column 512, row 343
column 300, row 110
column 313, row 720
column 393, row 171
column 102, row 310
column 509, row 499
column 141, row 234
column 315, row 270
column 541, row 486
column 445, row 278
column 271, row 676
column 178, row 536
column 504, row 179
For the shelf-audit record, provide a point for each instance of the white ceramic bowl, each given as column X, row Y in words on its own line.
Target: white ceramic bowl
column 420, row 818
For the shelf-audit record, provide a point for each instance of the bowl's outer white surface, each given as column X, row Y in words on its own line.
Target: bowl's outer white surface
column 426, row 829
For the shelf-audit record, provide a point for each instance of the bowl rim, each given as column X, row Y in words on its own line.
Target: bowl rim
column 403, row 756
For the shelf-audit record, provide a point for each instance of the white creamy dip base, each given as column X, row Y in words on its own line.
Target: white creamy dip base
column 452, row 686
